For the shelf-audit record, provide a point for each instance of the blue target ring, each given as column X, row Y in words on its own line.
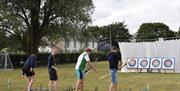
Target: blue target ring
column 168, row 63
column 144, row 63
column 132, row 62
column 156, row 63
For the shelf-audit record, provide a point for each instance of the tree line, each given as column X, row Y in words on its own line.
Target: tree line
column 26, row 25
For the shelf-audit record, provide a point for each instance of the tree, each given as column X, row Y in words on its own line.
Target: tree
column 154, row 30
column 84, row 37
column 2, row 40
column 30, row 21
column 94, row 32
column 179, row 32
column 117, row 31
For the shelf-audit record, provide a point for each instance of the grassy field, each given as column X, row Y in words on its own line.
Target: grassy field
column 136, row 81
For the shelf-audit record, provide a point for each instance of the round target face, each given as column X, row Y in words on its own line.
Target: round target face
column 156, row 63
column 132, row 62
column 167, row 63
column 144, row 63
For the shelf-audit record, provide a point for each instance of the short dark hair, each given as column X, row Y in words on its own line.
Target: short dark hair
column 88, row 50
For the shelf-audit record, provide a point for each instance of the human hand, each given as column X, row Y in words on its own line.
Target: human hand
column 95, row 70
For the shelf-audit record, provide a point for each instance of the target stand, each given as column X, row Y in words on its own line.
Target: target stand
column 155, row 64
column 132, row 64
column 168, row 64
column 144, row 63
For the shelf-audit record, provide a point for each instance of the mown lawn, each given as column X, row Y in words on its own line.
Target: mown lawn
column 127, row 81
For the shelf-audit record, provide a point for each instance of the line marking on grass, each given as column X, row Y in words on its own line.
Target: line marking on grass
column 104, row 76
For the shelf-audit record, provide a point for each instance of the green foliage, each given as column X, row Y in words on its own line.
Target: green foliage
column 94, row 32
column 179, row 32
column 19, row 59
column 2, row 40
column 31, row 23
column 118, row 32
column 153, row 31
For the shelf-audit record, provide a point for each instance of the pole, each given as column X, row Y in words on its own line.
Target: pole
column 5, row 64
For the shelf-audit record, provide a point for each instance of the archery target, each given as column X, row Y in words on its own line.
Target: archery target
column 156, row 63
column 144, row 63
column 168, row 63
column 132, row 63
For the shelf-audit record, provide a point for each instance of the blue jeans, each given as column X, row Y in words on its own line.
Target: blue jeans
column 113, row 75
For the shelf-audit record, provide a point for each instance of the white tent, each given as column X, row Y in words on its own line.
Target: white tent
column 168, row 48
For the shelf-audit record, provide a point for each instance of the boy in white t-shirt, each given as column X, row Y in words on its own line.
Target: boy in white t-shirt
column 80, row 66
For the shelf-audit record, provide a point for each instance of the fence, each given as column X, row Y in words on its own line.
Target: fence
column 161, row 48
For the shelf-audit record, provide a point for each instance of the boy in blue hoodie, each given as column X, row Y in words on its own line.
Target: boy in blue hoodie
column 28, row 70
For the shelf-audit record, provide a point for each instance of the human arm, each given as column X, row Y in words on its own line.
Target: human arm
column 54, row 67
column 91, row 66
column 33, row 60
column 120, row 67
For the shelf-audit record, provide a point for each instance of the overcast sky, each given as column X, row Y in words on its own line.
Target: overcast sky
column 136, row 12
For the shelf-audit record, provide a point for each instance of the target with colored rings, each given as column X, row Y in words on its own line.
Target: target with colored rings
column 144, row 63
column 168, row 63
column 155, row 63
column 132, row 62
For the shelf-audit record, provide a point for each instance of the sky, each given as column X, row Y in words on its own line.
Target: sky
column 136, row 12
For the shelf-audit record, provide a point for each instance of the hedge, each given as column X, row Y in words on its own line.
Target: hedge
column 19, row 59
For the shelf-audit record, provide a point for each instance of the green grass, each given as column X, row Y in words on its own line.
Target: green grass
column 66, row 74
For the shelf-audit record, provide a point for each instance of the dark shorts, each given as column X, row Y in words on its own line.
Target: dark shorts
column 80, row 73
column 27, row 72
column 52, row 74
